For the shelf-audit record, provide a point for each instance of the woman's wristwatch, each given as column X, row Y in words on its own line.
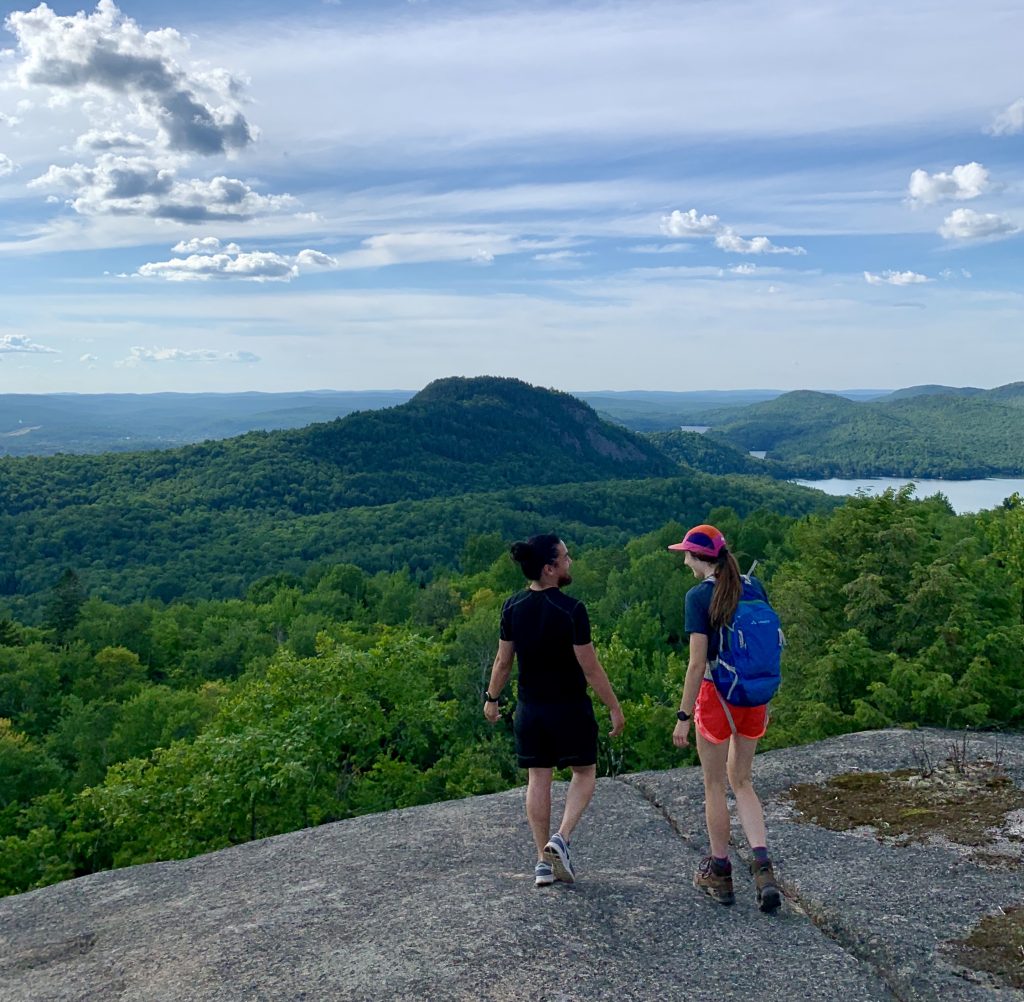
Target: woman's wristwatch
column 682, row 715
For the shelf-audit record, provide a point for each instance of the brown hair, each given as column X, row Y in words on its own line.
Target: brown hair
column 728, row 589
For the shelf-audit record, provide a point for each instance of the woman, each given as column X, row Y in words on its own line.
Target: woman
column 727, row 735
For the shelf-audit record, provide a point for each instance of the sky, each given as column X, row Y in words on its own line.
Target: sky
column 371, row 194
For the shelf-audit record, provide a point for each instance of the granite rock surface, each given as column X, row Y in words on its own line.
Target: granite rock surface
column 438, row 902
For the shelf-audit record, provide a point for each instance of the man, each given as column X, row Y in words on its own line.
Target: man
column 555, row 728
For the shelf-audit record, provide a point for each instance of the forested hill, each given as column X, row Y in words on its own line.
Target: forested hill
column 706, row 453
column 455, row 436
column 936, row 432
column 410, row 486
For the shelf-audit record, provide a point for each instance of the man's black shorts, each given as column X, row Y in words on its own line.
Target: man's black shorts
column 556, row 735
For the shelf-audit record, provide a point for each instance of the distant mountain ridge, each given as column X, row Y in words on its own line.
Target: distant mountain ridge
column 45, row 424
column 455, row 436
column 80, row 423
column 921, row 432
column 933, row 389
column 402, row 486
column 660, row 410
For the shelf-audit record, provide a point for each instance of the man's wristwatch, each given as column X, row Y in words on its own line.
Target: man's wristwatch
column 488, row 698
column 682, row 715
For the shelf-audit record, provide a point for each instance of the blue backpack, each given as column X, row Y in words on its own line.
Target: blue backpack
column 748, row 670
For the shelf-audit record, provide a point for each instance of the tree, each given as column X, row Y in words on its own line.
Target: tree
column 65, row 605
column 25, row 768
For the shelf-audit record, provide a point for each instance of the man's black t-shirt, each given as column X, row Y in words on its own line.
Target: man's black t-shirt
column 544, row 626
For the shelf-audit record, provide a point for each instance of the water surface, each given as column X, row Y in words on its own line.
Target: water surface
column 963, row 495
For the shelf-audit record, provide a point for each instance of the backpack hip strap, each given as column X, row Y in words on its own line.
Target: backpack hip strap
column 725, row 706
column 728, row 712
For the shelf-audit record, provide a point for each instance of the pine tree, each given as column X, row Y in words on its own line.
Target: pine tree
column 65, row 605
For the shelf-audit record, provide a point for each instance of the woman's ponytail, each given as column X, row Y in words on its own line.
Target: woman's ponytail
column 728, row 589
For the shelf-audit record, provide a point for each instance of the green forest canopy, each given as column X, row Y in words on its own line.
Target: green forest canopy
column 215, row 644
column 142, row 731
column 400, row 487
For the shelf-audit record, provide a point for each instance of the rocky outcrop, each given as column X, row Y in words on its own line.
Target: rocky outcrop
column 438, row 902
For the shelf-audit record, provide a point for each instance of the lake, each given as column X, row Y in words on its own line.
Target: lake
column 963, row 495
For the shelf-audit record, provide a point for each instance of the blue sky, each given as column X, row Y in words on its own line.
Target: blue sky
column 634, row 195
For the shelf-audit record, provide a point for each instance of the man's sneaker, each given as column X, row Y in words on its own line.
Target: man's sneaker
column 768, row 895
column 543, row 874
column 716, row 885
column 556, row 852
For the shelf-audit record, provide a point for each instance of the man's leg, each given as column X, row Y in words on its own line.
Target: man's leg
column 538, row 807
column 581, row 792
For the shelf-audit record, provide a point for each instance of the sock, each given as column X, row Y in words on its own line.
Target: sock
column 760, row 854
column 722, row 866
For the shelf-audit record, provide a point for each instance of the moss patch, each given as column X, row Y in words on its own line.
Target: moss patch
column 997, row 946
column 965, row 802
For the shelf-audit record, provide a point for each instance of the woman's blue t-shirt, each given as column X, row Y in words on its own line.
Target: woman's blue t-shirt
column 697, row 617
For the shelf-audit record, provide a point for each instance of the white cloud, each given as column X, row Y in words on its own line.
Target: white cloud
column 414, row 248
column 689, row 223
column 88, row 359
column 967, row 225
column 7, row 165
column 962, row 183
column 730, row 241
column 684, row 224
column 139, row 356
column 202, row 245
column 255, row 266
column 208, row 259
column 484, row 73
column 744, row 269
column 107, row 56
column 103, row 140
column 315, row 259
column 659, row 248
column 20, row 343
column 560, row 255
column 564, row 259
column 895, row 278
column 1010, row 121
column 140, row 186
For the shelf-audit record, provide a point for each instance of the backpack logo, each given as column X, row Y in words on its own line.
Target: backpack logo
column 748, row 671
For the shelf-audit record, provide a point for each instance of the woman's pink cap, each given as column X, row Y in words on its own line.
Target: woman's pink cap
column 704, row 540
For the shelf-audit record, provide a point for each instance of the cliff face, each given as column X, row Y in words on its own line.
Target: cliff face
column 438, row 903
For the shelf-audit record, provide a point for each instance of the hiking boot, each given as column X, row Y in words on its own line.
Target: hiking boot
column 769, row 897
column 543, row 875
column 556, row 852
column 714, row 884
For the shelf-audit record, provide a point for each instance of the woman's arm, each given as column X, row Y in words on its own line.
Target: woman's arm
column 691, row 686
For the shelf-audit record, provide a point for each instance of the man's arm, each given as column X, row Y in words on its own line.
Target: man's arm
column 597, row 679
column 500, row 672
